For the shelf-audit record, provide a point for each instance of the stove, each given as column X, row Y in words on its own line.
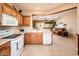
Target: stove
column 11, row 36
column 17, row 41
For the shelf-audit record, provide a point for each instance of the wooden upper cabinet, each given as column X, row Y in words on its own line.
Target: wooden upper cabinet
column 7, row 9
column 26, row 21
column 14, row 13
column 20, row 20
column 0, row 7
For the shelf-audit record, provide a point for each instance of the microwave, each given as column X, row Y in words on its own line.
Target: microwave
column 7, row 20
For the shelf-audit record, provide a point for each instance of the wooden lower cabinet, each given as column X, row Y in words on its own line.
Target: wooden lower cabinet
column 37, row 38
column 5, row 52
column 27, row 38
column 5, row 49
column 33, row 38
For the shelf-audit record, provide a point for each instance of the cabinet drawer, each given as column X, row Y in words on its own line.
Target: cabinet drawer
column 4, row 46
column 5, row 52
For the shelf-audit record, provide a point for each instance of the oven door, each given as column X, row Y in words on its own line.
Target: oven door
column 14, row 48
column 17, row 46
column 20, row 44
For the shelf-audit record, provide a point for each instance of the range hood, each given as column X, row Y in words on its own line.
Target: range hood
column 7, row 20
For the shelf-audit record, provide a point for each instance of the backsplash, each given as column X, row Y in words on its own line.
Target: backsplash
column 12, row 29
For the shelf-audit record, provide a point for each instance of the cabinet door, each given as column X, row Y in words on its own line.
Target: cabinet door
column 14, row 13
column 27, row 38
column 37, row 38
column 5, row 49
column 5, row 52
column 0, row 7
column 20, row 19
column 26, row 21
column 7, row 9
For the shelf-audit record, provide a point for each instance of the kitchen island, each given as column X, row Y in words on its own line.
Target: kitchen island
column 38, row 37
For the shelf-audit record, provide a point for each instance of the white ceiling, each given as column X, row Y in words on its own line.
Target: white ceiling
column 36, row 6
column 54, row 16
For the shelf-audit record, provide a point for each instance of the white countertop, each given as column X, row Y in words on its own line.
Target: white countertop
column 34, row 30
column 2, row 41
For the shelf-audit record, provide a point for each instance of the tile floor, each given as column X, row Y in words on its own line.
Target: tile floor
column 61, row 47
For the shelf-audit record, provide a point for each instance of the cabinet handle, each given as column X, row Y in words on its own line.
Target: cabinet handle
column 17, row 46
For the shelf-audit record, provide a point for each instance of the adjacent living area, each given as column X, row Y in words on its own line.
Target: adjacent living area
column 39, row 29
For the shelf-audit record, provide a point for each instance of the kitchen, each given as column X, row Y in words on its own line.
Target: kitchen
column 19, row 29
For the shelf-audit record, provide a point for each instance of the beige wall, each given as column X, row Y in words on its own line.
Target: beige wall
column 78, row 19
column 59, row 8
column 69, row 18
column 63, row 7
column 13, row 29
